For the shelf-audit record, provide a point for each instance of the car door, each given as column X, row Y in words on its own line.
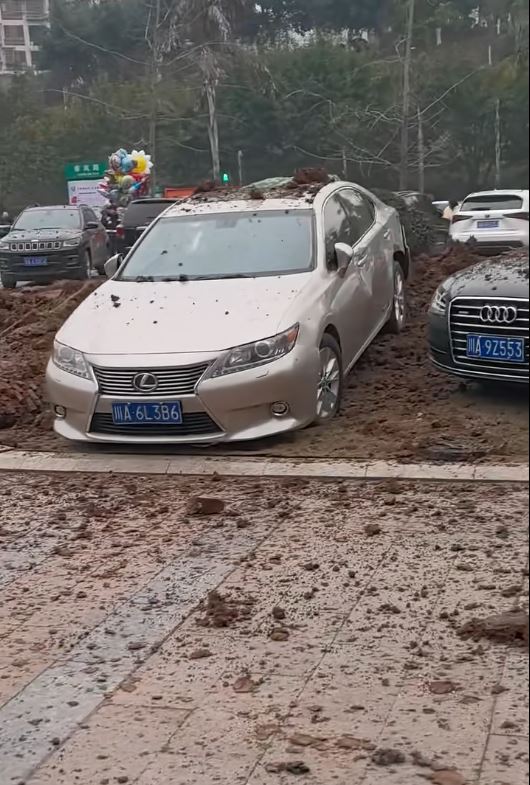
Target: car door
column 373, row 244
column 97, row 237
column 350, row 303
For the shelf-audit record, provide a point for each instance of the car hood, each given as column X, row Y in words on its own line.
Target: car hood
column 166, row 318
column 502, row 277
column 41, row 235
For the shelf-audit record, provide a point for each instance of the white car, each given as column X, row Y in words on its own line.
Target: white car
column 495, row 221
column 232, row 318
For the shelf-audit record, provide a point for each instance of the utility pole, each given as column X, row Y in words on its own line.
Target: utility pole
column 241, row 166
column 154, row 76
column 498, row 144
column 404, row 158
column 421, row 153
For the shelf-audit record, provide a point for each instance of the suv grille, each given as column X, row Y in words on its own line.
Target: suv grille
column 41, row 245
column 171, row 381
column 194, row 424
column 465, row 319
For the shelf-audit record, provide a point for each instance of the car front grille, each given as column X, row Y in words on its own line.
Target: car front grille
column 193, row 424
column 170, row 381
column 465, row 319
column 40, row 245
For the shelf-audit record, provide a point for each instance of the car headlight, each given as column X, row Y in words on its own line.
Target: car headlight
column 70, row 360
column 252, row 355
column 72, row 242
column 4, row 246
column 440, row 301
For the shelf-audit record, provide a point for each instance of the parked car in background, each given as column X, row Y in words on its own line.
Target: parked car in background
column 478, row 321
column 49, row 243
column 136, row 218
column 234, row 317
column 493, row 221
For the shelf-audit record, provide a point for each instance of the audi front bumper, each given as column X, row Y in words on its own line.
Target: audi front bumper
column 236, row 407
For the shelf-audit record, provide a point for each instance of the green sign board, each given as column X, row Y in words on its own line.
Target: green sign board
column 94, row 170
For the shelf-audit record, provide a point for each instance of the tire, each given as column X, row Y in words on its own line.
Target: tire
column 85, row 271
column 398, row 316
column 328, row 406
column 8, row 281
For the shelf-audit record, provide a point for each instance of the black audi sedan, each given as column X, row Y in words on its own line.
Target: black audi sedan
column 50, row 243
column 478, row 321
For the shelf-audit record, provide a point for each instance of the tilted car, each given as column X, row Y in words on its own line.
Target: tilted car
column 478, row 321
column 232, row 318
column 493, row 221
column 50, row 243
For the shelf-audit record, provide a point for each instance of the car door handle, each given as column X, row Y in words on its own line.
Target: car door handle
column 361, row 259
column 387, row 235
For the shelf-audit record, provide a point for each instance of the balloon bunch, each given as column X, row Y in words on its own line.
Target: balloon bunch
column 127, row 177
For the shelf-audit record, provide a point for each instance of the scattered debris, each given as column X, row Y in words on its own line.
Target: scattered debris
column 388, row 757
column 509, row 627
column 221, row 612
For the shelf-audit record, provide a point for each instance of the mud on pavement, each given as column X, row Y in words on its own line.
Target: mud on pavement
column 396, row 404
column 271, row 633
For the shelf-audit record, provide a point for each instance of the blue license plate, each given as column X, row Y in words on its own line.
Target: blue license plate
column 147, row 413
column 35, row 261
column 487, row 224
column 492, row 347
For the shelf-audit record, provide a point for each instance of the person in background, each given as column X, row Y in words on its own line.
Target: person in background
column 450, row 210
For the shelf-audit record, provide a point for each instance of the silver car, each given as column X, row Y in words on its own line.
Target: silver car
column 231, row 319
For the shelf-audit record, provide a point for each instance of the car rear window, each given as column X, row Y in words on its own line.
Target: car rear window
column 492, row 202
column 143, row 213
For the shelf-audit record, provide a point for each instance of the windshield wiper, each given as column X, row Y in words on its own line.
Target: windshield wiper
column 144, row 279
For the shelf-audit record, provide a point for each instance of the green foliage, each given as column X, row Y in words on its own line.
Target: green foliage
column 283, row 104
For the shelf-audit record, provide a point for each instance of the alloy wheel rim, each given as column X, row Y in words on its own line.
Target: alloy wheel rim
column 399, row 299
column 328, row 385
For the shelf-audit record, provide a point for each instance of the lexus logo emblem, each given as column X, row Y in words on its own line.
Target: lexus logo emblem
column 499, row 314
column 145, row 382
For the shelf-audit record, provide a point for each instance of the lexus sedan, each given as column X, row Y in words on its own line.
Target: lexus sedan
column 478, row 321
column 51, row 243
column 233, row 317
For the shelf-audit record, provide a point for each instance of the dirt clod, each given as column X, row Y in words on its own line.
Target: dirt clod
column 204, row 506
column 388, row 757
column 510, row 627
column 372, row 529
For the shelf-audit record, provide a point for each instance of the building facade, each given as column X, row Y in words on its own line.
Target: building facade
column 22, row 24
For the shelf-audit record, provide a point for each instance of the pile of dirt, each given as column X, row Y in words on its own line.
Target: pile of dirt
column 220, row 612
column 29, row 319
column 510, row 627
column 304, row 184
column 424, row 228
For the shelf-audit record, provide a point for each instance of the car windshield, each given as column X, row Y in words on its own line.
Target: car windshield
column 489, row 202
column 237, row 245
column 53, row 218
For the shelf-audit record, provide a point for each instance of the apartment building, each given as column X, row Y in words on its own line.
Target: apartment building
column 22, row 23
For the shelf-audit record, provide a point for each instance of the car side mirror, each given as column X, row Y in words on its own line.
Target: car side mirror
column 92, row 225
column 113, row 264
column 344, row 255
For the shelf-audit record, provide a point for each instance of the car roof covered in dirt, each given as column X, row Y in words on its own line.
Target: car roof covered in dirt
column 285, row 193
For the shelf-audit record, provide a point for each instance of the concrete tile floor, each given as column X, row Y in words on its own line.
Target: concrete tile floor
column 115, row 669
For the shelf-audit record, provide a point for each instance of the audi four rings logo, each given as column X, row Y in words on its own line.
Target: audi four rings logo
column 145, row 382
column 499, row 314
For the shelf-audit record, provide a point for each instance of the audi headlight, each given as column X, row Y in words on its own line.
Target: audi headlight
column 72, row 242
column 252, row 355
column 70, row 360
column 440, row 301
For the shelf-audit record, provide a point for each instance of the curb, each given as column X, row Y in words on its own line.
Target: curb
column 22, row 461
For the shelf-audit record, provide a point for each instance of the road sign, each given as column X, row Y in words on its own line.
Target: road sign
column 93, row 170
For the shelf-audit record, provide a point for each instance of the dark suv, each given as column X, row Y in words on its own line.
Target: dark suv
column 49, row 243
column 136, row 218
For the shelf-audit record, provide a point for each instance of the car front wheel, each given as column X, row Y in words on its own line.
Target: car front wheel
column 8, row 281
column 330, row 383
column 85, row 271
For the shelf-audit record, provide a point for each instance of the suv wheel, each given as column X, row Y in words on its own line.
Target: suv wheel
column 8, row 281
column 330, row 384
column 85, row 271
column 398, row 316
